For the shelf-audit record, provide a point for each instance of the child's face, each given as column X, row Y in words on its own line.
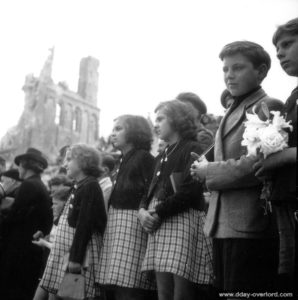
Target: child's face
column 240, row 75
column 119, row 135
column 287, row 53
column 163, row 126
column 71, row 165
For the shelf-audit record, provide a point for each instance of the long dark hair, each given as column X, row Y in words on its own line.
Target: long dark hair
column 138, row 131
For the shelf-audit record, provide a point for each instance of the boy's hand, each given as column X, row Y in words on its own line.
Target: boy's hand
column 198, row 170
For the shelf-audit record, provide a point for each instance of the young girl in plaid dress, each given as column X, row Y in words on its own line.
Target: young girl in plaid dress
column 78, row 239
column 125, row 240
column 177, row 251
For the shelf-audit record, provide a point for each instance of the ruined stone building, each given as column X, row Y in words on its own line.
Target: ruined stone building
column 53, row 115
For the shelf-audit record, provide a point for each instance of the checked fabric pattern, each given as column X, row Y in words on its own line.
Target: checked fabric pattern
column 123, row 251
column 54, row 271
column 180, row 247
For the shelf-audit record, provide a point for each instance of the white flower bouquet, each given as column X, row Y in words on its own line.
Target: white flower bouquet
column 264, row 138
column 267, row 136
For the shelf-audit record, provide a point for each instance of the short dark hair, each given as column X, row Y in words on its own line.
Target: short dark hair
column 291, row 28
column 108, row 161
column 33, row 165
column 182, row 117
column 252, row 51
column 195, row 100
column 60, row 179
column 62, row 193
column 138, row 131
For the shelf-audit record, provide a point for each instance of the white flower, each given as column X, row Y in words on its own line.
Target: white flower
column 272, row 140
column 279, row 121
column 254, row 122
column 251, row 138
column 268, row 136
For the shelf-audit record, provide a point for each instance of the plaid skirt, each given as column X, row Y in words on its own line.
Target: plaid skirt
column 180, row 247
column 124, row 247
column 55, row 270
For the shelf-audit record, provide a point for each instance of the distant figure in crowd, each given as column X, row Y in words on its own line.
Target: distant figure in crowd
column 59, row 198
column 2, row 165
column 125, row 240
column 81, row 225
column 226, row 99
column 244, row 236
column 10, row 182
column 172, row 213
column 105, row 181
column 60, row 159
column 161, row 146
column 21, row 261
column 204, row 136
column 59, row 186
column 282, row 165
column 58, row 181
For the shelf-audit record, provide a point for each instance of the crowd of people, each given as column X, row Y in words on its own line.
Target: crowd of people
column 142, row 227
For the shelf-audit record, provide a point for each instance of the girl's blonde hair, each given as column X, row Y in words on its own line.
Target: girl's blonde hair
column 88, row 158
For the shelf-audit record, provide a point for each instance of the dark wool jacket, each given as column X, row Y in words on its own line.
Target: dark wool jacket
column 284, row 182
column 189, row 192
column 133, row 179
column 21, row 261
column 87, row 214
column 205, row 138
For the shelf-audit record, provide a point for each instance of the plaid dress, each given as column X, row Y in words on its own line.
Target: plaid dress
column 180, row 247
column 124, row 247
column 55, row 270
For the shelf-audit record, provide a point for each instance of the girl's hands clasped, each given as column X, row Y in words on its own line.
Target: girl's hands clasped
column 149, row 219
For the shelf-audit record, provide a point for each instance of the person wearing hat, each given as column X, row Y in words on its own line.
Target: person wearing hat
column 204, row 136
column 20, row 260
column 10, row 181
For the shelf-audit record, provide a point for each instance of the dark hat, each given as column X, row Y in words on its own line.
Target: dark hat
column 12, row 173
column 195, row 100
column 33, row 154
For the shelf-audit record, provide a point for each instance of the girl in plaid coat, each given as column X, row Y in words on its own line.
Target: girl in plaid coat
column 173, row 213
column 81, row 225
column 125, row 240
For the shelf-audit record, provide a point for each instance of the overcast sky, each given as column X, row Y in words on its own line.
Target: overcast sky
column 149, row 51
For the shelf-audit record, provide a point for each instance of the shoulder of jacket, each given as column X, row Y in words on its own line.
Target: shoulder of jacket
column 190, row 145
column 144, row 154
column 269, row 99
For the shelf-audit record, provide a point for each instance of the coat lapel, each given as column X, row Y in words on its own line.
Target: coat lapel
column 238, row 114
column 218, row 146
